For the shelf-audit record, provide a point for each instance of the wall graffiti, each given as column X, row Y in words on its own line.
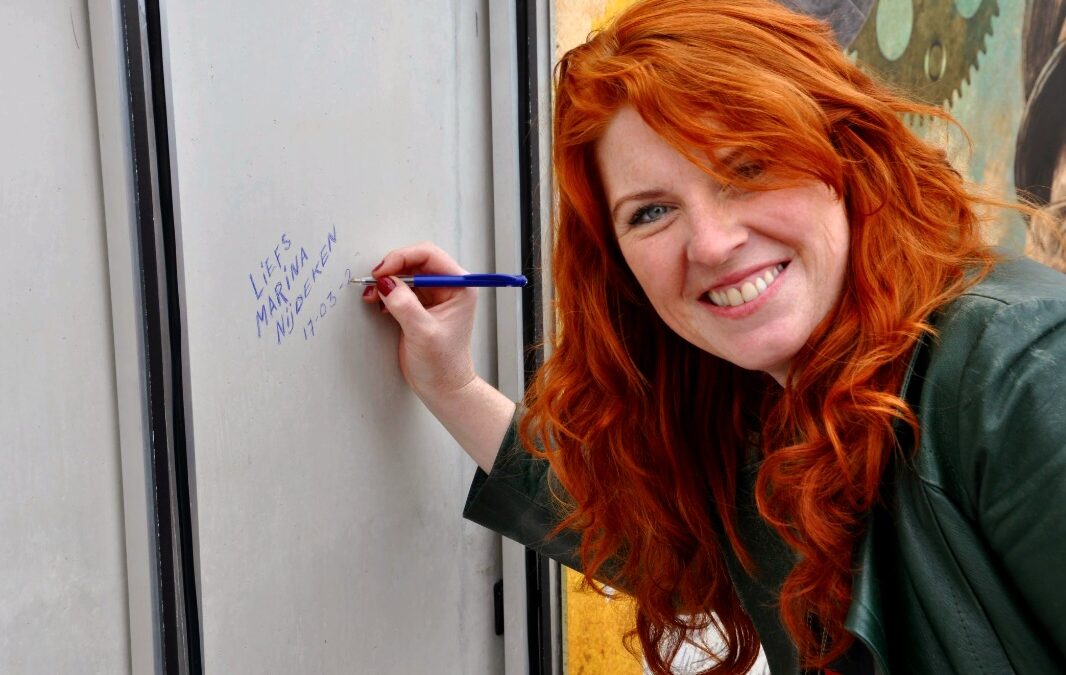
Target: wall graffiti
column 290, row 288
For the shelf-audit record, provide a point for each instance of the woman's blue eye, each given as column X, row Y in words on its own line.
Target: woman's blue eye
column 648, row 214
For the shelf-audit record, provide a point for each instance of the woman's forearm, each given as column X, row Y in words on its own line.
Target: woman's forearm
column 477, row 415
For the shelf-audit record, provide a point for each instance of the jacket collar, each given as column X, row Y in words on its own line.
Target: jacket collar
column 865, row 615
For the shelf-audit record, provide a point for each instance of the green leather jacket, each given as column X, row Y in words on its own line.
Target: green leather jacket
column 963, row 569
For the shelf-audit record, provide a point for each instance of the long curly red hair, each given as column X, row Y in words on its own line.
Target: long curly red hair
column 647, row 432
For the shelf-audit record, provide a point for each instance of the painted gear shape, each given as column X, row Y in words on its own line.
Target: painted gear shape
column 941, row 53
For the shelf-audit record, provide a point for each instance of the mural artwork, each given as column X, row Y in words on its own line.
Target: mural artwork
column 1040, row 155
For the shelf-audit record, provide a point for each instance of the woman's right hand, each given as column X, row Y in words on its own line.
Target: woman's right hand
column 435, row 323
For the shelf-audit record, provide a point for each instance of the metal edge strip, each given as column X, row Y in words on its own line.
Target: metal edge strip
column 178, row 616
column 113, row 123
column 154, row 328
column 179, row 464
column 503, row 77
column 519, row 162
column 191, row 546
column 538, row 570
column 545, row 55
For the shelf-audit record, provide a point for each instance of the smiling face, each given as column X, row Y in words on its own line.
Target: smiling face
column 743, row 275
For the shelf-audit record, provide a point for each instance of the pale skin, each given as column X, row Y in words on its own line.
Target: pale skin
column 693, row 247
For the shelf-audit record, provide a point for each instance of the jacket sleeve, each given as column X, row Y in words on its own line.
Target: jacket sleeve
column 1012, row 432
column 521, row 499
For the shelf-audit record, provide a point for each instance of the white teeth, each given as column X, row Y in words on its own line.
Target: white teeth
column 748, row 291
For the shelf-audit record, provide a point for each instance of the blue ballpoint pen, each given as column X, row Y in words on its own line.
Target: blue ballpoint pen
column 452, row 281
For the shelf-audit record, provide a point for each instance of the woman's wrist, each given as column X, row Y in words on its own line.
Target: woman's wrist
column 476, row 414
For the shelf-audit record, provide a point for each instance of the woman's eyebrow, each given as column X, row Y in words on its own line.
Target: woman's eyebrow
column 655, row 193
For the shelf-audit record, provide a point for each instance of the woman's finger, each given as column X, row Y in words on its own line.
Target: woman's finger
column 429, row 297
column 404, row 306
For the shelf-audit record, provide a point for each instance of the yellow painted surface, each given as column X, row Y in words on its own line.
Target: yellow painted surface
column 595, row 626
column 575, row 19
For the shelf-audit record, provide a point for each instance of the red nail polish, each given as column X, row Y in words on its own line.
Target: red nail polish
column 379, row 265
column 367, row 291
column 385, row 285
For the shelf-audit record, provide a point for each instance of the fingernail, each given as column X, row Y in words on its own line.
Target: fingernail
column 385, row 285
column 367, row 291
column 379, row 265
column 381, row 307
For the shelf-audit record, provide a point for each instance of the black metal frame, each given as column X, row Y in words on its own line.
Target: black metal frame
column 538, row 576
column 172, row 537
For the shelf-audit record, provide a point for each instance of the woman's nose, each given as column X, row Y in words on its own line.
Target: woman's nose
column 715, row 234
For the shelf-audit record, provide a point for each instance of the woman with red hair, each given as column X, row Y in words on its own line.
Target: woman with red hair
column 794, row 397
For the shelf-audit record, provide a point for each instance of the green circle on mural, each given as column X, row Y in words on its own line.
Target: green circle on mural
column 894, row 19
column 967, row 8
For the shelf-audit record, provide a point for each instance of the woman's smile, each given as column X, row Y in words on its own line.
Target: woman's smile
column 744, row 292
